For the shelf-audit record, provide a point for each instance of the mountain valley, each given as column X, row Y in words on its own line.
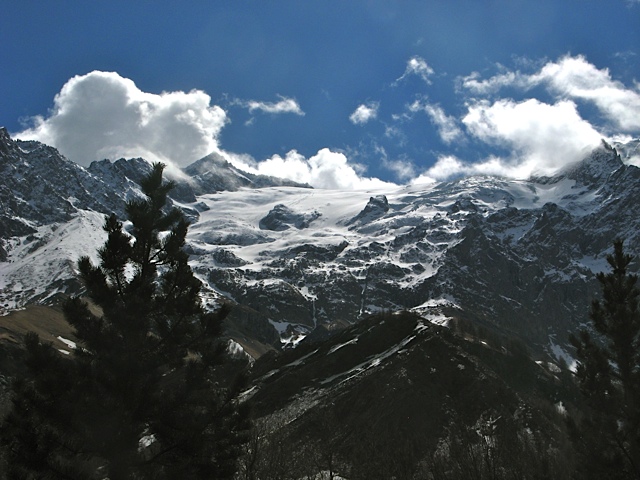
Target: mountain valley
column 386, row 329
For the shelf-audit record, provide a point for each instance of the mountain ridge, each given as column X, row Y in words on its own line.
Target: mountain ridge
column 517, row 256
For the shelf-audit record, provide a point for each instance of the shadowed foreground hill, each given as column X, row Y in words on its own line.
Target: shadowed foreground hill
column 395, row 396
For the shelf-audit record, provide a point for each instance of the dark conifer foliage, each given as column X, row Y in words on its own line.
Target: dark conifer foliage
column 141, row 396
column 609, row 376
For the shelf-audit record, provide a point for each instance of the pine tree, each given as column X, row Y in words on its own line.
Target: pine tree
column 141, row 395
column 609, row 375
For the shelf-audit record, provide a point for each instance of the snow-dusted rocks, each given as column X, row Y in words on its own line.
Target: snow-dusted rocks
column 213, row 173
column 282, row 217
column 510, row 254
column 374, row 209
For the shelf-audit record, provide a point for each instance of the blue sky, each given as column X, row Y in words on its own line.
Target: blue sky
column 336, row 93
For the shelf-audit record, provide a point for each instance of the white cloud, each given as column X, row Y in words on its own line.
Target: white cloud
column 284, row 105
column 326, row 169
column 364, row 113
column 542, row 137
column 475, row 84
column 450, row 166
column 447, row 125
column 417, row 66
column 446, row 166
column 103, row 115
column 404, row 169
column 572, row 78
column 397, row 134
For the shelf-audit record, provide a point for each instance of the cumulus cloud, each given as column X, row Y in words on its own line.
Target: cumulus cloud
column 103, row 115
column 447, row 125
column 284, row 105
column 571, row 78
column 364, row 113
column 574, row 77
column 542, row 137
column 326, row 169
column 417, row 66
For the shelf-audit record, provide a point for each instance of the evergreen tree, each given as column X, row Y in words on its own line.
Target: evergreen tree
column 609, row 375
column 140, row 397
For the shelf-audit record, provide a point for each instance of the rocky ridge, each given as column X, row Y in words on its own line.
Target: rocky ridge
column 517, row 256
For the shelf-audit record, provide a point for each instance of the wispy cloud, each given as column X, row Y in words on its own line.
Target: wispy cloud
column 626, row 55
column 284, row 105
column 445, row 167
column 364, row 113
column 416, row 66
column 447, row 125
column 396, row 133
column 571, row 78
column 404, row 169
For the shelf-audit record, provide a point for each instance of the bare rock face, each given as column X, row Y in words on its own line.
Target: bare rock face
column 40, row 186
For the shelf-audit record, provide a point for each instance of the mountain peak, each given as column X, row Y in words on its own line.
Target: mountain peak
column 6, row 142
column 592, row 170
column 214, row 173
column 595, row 168
column 377, row 206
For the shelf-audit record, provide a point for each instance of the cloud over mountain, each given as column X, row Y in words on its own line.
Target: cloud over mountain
column 513, row 123
column 325, row 169
column 103, row 115
column 571, row 78
column 538, row 136
column 542, row 137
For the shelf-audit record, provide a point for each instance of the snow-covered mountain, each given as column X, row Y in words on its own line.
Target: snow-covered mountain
column 512, row 255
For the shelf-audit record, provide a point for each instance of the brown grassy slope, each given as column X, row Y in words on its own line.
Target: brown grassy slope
column 47, row 322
